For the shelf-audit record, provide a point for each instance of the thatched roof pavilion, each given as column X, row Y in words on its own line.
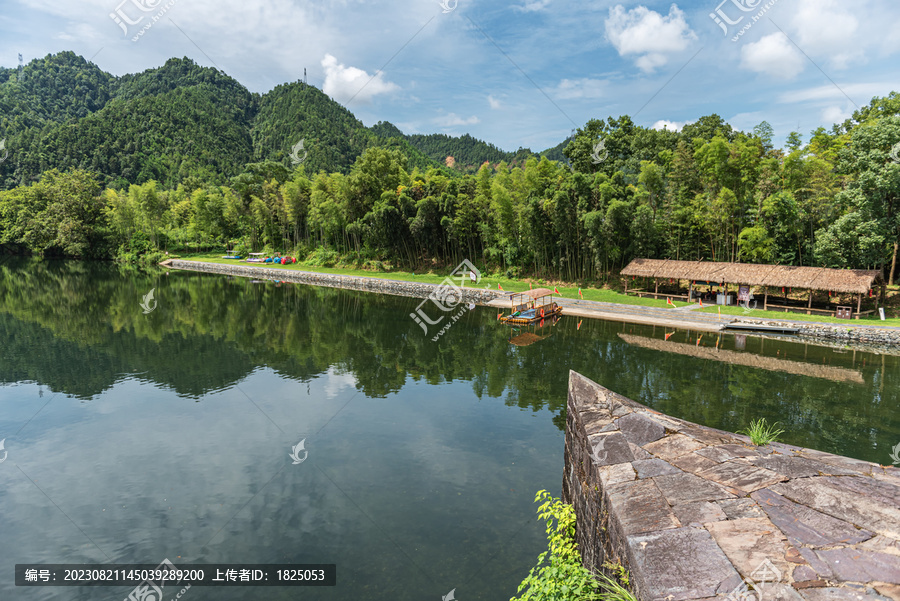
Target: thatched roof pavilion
column 845, row 281
column 849, row 281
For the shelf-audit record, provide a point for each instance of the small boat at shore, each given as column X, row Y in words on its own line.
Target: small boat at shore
column 531, row 306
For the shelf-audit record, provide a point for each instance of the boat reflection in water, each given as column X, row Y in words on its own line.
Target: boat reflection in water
column 525, row 335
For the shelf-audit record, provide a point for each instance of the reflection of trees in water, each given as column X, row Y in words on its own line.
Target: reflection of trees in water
column 78, row 326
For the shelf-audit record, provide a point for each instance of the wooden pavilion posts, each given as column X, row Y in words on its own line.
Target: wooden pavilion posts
column 765, row 298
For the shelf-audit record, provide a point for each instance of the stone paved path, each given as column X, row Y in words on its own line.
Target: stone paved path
column 698, row 513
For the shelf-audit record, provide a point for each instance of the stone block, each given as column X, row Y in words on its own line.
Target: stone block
column 832, row 593
column 679, row 564
column 638, row 452
column 798, row 467
column 687, row 488
column 654, row 467
column 741, row 508
column 609, row 449
column 888, row 590
column 741, row 475
column 855, row 565
column 672, row 446
column 640, row 429
column 864, row 512
column 887, row 493
column 699, row 512
column 693, row 463
column 615, row 474
column 749, row 542
column 639, row 507
column 806, row 526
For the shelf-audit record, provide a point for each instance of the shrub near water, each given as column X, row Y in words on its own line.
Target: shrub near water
column 559, row 574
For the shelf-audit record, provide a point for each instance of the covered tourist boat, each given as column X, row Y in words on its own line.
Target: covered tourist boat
column 531, row 306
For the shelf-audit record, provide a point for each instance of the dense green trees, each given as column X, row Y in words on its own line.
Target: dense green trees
column 190, row 159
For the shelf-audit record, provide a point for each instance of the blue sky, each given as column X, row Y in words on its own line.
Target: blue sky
column 518, row 73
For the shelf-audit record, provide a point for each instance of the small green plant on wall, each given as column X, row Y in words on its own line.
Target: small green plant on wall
column 761, row 433
column 559, row 574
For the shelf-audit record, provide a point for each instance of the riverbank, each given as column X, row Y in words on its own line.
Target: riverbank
column 694, row 513
column 683, row 317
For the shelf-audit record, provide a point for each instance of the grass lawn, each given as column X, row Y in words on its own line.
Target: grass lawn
column 781, row 315
column 509, row 285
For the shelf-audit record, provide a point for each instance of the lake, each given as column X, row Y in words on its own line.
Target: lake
column 242, row 422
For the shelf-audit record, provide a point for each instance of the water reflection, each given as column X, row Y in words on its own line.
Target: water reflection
column 135, row 436
column 827, row 372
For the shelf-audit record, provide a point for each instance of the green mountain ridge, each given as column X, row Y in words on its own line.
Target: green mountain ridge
column 183, row 122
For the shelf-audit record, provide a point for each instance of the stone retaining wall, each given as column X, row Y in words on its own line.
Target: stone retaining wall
column 847, row 333
column 366, row 284
column 697, row 513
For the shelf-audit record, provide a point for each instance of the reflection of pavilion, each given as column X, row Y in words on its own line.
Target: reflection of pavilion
column 528, row 335
column 827, row 372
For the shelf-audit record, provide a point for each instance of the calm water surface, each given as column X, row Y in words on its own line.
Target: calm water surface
column 135, row 437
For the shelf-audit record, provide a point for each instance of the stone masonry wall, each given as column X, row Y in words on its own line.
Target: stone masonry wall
column 840, row 332
column 697, row 513
column 366, row 284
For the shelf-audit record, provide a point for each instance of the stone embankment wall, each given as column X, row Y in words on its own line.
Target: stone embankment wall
column 847, row 333
column 697, row 513
column 382, row 285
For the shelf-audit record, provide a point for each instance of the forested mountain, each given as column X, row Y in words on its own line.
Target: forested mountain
column 52, row 89
column 189, row 158
column 556, row 153
column 179, row 123
column 468, row 153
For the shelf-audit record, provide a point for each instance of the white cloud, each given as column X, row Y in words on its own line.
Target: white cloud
column 861, row 93
column 649, row 34
column 836, row 114
column 581, row 88
column 669, row 125
column 495, row 104
column 533, row 5
column 773, row 55
column 453, row 120
column 349, row 83
column 824, row 28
